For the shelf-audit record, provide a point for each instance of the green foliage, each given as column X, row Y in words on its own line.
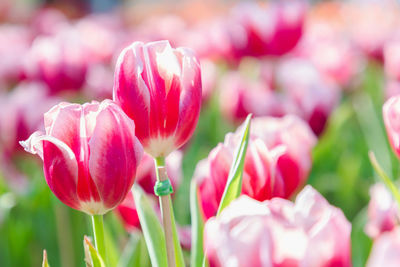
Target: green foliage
column 152, row 229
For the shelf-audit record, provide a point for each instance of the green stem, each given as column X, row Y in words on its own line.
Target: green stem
column 98, row 230
column 174, row 251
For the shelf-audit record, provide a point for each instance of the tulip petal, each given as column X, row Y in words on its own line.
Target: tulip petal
column 114, row 154
column 59, row 165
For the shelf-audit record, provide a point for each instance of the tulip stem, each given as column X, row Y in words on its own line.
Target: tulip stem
column 98, row 230
column 166, row 210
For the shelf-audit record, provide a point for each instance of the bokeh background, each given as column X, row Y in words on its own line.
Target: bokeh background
column 333, row 63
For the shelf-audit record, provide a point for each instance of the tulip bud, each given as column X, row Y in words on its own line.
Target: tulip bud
column 391, row 117
column 160, row 89
column 90, row 154
column 308, row 232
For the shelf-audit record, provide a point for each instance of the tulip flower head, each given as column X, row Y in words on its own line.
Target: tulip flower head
column 278, row 232
column 90, row 154
column 160, row 89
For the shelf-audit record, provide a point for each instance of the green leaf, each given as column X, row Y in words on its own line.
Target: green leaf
column 112, row 251
column 233, row 186
column 385, row 178
column 151, row 227
column 92, row 257
column 197, row 253
column 179, row 260
column 135, row 252
column 45, row 262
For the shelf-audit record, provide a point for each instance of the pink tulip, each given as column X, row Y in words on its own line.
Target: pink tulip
column 21, row 113
column 291, row 132
column 14, row 45
column 385, row 251
column 99, row 81
column 391, row 117
column 308, row 93
column 334, row 55
column 160, row 89
column 279, row 233
column 277, row 162
column 240, row 96
column 371, row 25
column 382, row 211
column 59, row 61
column 90, row 154
column 271, row 31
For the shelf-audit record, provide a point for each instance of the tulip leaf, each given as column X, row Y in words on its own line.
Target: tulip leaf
column 179, row 260
column 152, row 229
column 135, row 252
column 45, row 262
column 233, row 186
column 92, row 257
column 385, row 178
column 197, row 253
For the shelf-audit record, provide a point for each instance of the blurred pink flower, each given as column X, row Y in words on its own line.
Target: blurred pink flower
column 277, row 232
column 90, row 154
column 21, row 113
column 274, row 30
column 309, row 95
column 59, row 61
column 14, row 45
column 240, row 96
column 385, row 250
column 277, row 162
column 371, row 24
column 209, row 72
column 99, row 81
column 331, row 51
column 382, row 211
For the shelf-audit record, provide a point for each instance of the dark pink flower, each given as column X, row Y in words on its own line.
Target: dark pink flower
column 160, row 89
column 90, row 154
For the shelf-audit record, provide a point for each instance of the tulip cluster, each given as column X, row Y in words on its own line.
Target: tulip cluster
column 288, row 63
